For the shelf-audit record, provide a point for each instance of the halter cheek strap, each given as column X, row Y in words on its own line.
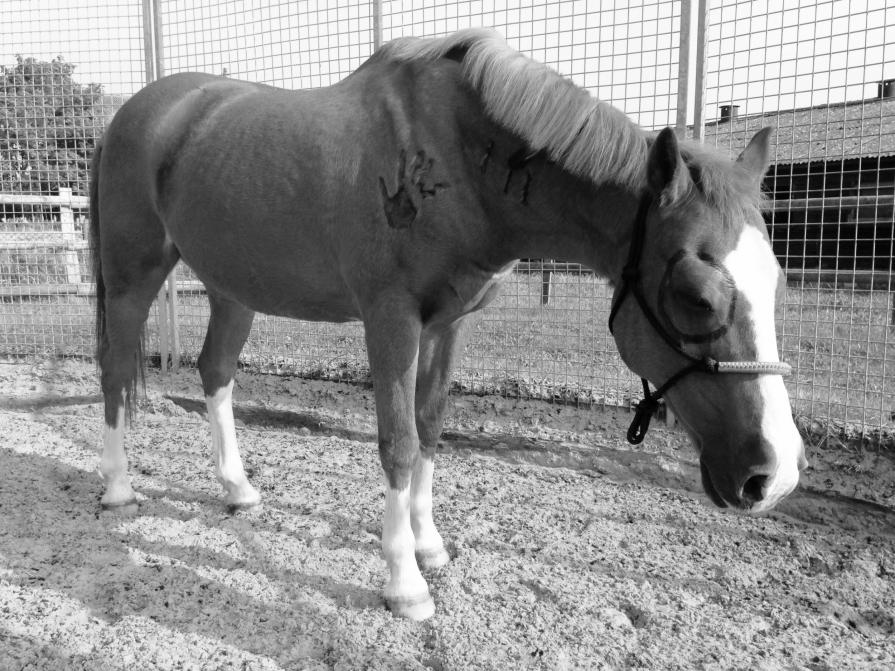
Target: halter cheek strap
column 630, row 283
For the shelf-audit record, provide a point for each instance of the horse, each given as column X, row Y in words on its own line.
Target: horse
column 403, row 196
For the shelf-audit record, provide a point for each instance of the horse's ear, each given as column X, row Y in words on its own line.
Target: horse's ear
column 756, row 157
column 666, row 173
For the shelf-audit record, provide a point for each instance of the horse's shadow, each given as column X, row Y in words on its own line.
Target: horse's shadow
column 58, row 539
column 267, row 417
column 39, row 402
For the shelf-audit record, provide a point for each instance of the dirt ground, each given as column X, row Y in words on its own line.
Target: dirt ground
column 570, row 550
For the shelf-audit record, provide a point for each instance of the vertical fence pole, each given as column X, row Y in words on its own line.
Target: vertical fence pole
column 150, row 64
column 149, row 40
column 699, row 84
column 169, row 333
column 376, row 8
column 69, row 236
column 683, row 71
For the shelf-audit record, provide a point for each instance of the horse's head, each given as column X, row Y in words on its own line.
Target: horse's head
column 700, row 288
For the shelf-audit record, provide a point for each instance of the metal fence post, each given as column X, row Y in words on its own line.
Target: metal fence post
column 691, row 69
column 699, row 71
column 169, row 332
column 376, row 8
column 683, row 70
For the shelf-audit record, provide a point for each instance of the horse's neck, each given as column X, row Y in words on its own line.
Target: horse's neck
column 532, row 207
column 552, row 214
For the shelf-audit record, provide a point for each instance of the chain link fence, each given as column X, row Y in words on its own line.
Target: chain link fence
column 719, row 71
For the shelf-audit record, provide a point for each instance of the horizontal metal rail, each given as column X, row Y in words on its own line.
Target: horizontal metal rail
column 63, row 199
column 44, row 240
column 830, row 202
column 860, row 279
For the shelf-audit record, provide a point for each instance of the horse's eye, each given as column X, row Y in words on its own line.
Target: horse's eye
column 696, row 298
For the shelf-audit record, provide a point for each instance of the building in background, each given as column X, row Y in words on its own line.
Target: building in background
column 832, row 185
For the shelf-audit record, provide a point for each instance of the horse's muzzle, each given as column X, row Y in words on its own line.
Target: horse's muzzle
column 757, row 489
column 709, row 488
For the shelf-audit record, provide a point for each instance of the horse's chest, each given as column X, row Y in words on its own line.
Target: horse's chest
column 464, row 293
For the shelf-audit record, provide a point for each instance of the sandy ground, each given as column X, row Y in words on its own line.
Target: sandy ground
column 569, row 549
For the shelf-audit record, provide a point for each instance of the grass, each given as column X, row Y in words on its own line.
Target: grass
column 839, row 341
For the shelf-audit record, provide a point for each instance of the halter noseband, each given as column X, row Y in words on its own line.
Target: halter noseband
column 630, row 283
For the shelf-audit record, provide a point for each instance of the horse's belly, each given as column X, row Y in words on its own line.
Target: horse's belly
column 296, row 288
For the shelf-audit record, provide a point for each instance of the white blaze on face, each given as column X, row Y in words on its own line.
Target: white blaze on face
column 756, row 274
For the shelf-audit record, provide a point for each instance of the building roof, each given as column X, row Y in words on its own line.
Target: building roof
column 823, row 133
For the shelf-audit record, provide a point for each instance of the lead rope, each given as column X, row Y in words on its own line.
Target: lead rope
column 630, row 281
column 646, row 408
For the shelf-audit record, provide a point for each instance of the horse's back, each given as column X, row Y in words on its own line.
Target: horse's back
column 280, row 199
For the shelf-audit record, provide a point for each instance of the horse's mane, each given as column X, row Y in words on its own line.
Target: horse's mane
column 586, row 136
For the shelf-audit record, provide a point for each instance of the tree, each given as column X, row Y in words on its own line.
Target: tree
column 49, row 125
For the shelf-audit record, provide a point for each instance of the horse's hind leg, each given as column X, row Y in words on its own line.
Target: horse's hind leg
column 228, row 329
column 118, row 353
column 438, row 348
column 132, row 273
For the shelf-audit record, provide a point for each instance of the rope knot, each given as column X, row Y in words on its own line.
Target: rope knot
column 711, row 365
column 643, row 413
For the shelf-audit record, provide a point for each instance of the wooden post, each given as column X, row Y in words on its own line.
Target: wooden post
column 69, row 237
column 546, row 277
column 670, row 419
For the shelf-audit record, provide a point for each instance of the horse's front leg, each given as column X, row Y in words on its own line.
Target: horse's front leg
column 438, row 348
column 393, row 333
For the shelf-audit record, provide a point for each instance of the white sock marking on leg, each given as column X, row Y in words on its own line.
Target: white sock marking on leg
column 429, row 543
column 113, row 463
column 406, row 583
column 227, row 463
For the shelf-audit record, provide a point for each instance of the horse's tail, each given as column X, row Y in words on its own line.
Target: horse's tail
column 97, row 271
column 97, row 264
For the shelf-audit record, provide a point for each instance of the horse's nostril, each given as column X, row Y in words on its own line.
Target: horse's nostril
column 755, row 488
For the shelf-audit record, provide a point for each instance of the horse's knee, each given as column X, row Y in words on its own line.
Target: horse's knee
column 429, row 422
column 398, row 457
column 214, row 374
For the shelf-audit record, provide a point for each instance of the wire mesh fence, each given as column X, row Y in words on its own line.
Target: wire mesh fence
column 816, row 71
column 64, row 70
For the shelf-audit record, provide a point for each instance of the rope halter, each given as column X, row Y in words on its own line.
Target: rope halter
column 631, row 283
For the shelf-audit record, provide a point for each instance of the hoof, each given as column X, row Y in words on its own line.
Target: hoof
column 129, row 507
column 244, row 499
column 429, row 560
column 413, row 608
column 234, row 508
column 119, row 497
